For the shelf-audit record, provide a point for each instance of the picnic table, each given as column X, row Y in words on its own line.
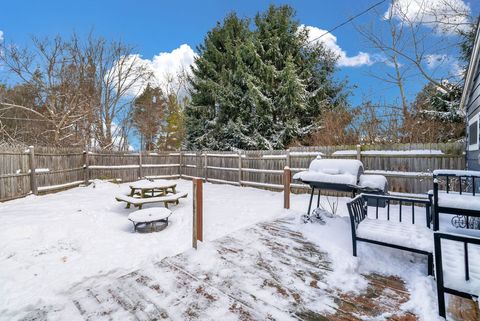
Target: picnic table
column 152, row 188
column 150, row 217
column 149, row 192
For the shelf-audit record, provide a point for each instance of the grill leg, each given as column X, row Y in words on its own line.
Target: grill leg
column 354, row 245
column 318, row 198
column 311, row 199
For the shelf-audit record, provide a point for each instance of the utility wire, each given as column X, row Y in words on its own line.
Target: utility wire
column 348, row 20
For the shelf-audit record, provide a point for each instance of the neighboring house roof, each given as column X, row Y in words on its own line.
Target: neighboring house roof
column 473, row 65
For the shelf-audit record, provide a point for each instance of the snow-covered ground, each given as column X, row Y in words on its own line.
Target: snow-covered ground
column 50, row 243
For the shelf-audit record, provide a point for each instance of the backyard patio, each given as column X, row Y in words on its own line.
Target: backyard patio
column 240, row 160
column 74, row 255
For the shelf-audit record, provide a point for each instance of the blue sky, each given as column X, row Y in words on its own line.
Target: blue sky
column 155, row 27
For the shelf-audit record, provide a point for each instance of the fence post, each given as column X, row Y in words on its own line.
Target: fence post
column 86, row 173
column 198, row 164
column 140, row 170
column 33, row 177
column 288, row 158
column 180, row 163
column 287, row 177
column 359, row 152
column 197, row 234
column 205, row 173
column 240, row 167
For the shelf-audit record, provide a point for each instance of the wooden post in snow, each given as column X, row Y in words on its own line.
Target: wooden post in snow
column 205, row 174
column 86, row 175
column 140, row 170
column 33, row 177
column 197, row 211
column 288, row 160
column 240, row 167
column 359, row 152
column 287, row 177
column 180, row 161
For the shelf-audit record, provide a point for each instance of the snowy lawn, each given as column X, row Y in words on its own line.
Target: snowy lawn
column 50, row 243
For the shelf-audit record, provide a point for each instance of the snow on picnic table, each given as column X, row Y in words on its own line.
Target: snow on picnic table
column 52, row 242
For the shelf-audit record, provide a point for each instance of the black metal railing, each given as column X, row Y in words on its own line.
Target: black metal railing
column 358, row 211
column 441, row 289
column 402, row 202
column 466, row 184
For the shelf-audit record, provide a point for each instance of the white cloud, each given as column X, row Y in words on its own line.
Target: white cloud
column 1, row 35
column 457, row 70
column 166, row 66
column 446, row 62
column 436, row 60
column 382, row 58
column 443, row 16
column 330, row 42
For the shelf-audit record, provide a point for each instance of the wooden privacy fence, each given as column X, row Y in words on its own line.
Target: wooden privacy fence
column 408, row 168
column 41, row 170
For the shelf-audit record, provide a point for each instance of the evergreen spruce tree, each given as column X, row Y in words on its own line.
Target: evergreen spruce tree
column 259, row 89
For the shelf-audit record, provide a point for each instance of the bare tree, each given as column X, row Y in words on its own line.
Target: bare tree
column 405, row 41
column 51, row 73
column 148, row 114
column 82, row 89
column 389, row 47
column 336, row 128
column 117, row 74
column 175, row 86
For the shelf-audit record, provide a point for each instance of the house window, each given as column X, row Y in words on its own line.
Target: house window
column 473, row 134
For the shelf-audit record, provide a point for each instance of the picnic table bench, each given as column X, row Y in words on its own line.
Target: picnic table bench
column 139, row 202
column 150, row 216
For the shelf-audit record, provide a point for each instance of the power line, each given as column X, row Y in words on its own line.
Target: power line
column 348, row 20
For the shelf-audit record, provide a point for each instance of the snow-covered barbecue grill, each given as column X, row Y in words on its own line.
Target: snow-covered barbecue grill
column 342, row 175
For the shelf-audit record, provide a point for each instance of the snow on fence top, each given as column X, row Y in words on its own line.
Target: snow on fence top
column 130, row 166
column 220, row 155
column 345, row 153
column 398, row 173
column 37, row 170
column 306, row 154
column 351, row 152
column 281, row 156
